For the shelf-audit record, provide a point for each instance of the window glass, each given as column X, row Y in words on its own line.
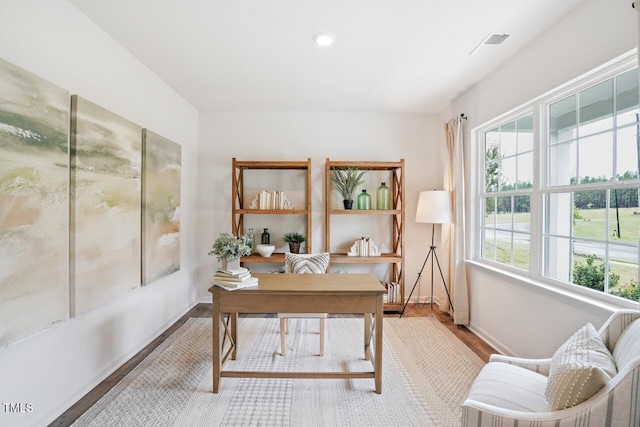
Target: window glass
column 563, row 163
column 525, row 171
column 596, row 158
column 489, row 245
column 509, row 174
column 521, row 250
column 624, row 215
column 508, row 139
column 563, row 120
column 525, row 134
column 627, row 97
column 590, row 214
column 490, row 212
column 560, row 214
column 503, row 247
column 627, row 156
column 623, row 272
column 589, row 265
column 557, row 251
column 596, row 108
column 504, row 219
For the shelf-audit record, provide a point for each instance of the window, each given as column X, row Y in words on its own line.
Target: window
column 506, row 201
column 585, row 204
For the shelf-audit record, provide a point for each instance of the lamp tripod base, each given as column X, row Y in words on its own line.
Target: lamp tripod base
column 434, row 256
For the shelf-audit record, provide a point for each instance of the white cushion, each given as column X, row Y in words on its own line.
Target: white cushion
column 579, row 368
column 628, row 346
column 510, row 387
column 303, row 264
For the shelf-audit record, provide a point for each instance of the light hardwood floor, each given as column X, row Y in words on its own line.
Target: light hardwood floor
column 478, row 346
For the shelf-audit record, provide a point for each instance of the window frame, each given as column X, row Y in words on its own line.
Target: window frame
column 539, row 107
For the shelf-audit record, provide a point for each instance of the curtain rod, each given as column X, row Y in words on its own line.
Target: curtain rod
column 463, row 117
column 633, row 5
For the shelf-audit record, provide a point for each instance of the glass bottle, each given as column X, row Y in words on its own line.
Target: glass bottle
column 265, row 238
column 383, row 197
column 252, row 236
column 364, row 201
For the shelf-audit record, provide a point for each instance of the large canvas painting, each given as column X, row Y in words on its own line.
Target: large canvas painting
column 161, row 206
column 106, row 203
column 34, row 123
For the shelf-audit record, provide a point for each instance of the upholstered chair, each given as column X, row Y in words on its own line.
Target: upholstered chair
column 303, row 264
column 592, row 380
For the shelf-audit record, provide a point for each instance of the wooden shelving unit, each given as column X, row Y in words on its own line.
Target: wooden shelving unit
column 239, row 210
column 396, row 218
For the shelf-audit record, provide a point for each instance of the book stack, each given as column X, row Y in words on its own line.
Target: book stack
column 233, row 279
column 393, row 292
column 271, row 200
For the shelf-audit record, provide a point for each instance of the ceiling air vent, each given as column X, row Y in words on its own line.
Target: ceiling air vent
column 489, row 44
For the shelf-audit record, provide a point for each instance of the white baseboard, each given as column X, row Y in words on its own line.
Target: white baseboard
column 91, row 384
column 496, row 344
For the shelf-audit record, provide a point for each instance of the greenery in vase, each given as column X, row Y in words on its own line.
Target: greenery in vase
column 347, row 181
column 230, row 247
column 294, row 237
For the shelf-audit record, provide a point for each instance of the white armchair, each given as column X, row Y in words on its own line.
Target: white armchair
column 510, row 392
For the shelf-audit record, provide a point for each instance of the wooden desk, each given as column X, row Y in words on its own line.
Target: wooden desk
column 300, row 293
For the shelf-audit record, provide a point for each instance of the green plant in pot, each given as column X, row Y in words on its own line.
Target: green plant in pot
column 294, row 240
column 229, row 248
column 346, row 181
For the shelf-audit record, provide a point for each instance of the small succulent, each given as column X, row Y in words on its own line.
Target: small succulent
column 294, row 237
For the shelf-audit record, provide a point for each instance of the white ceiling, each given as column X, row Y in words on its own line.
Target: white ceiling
column 389, row 55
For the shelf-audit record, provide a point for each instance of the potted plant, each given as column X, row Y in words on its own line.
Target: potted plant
column 294, row 239
column 346, row 181
column 229, row 248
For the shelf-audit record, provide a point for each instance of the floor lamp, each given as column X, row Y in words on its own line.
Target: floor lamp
column 434, row 207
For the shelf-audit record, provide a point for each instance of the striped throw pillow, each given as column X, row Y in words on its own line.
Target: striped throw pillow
column 579, row 368
column 302, row 264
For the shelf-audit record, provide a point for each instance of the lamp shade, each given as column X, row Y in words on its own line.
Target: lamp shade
column 434, row 207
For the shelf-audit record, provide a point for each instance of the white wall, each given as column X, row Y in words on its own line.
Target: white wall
column 299, row 135
column 55, row 368
column 518, row 317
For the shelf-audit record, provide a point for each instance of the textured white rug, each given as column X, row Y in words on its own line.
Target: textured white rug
column 427, row 372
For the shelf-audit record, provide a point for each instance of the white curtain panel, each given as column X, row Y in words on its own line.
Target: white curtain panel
column 453, row 241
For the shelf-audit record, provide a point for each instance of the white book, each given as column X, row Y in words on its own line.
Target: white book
column 235, row 285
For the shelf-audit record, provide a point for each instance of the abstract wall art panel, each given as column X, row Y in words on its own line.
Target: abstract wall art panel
column 160, row 206
column 34, row 204
column 105, row 215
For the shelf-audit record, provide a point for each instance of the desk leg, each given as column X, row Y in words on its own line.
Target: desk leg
column 234, row 334
column 378, row 344
column 367, row 334
column 216, row 343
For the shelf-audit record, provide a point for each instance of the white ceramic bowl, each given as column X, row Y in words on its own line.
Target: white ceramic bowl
column 265, row 250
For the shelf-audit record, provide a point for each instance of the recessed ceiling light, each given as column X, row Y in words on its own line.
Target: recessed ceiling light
column 324, row 39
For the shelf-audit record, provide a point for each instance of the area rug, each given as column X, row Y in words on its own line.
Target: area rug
column 427, row 373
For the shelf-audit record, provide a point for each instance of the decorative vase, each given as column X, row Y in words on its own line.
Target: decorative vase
column 265, row 238
column 252, row 243
column 348, row 203
column 233, row 264
column 294, row 248
column 364, row 201
column 383, row 197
